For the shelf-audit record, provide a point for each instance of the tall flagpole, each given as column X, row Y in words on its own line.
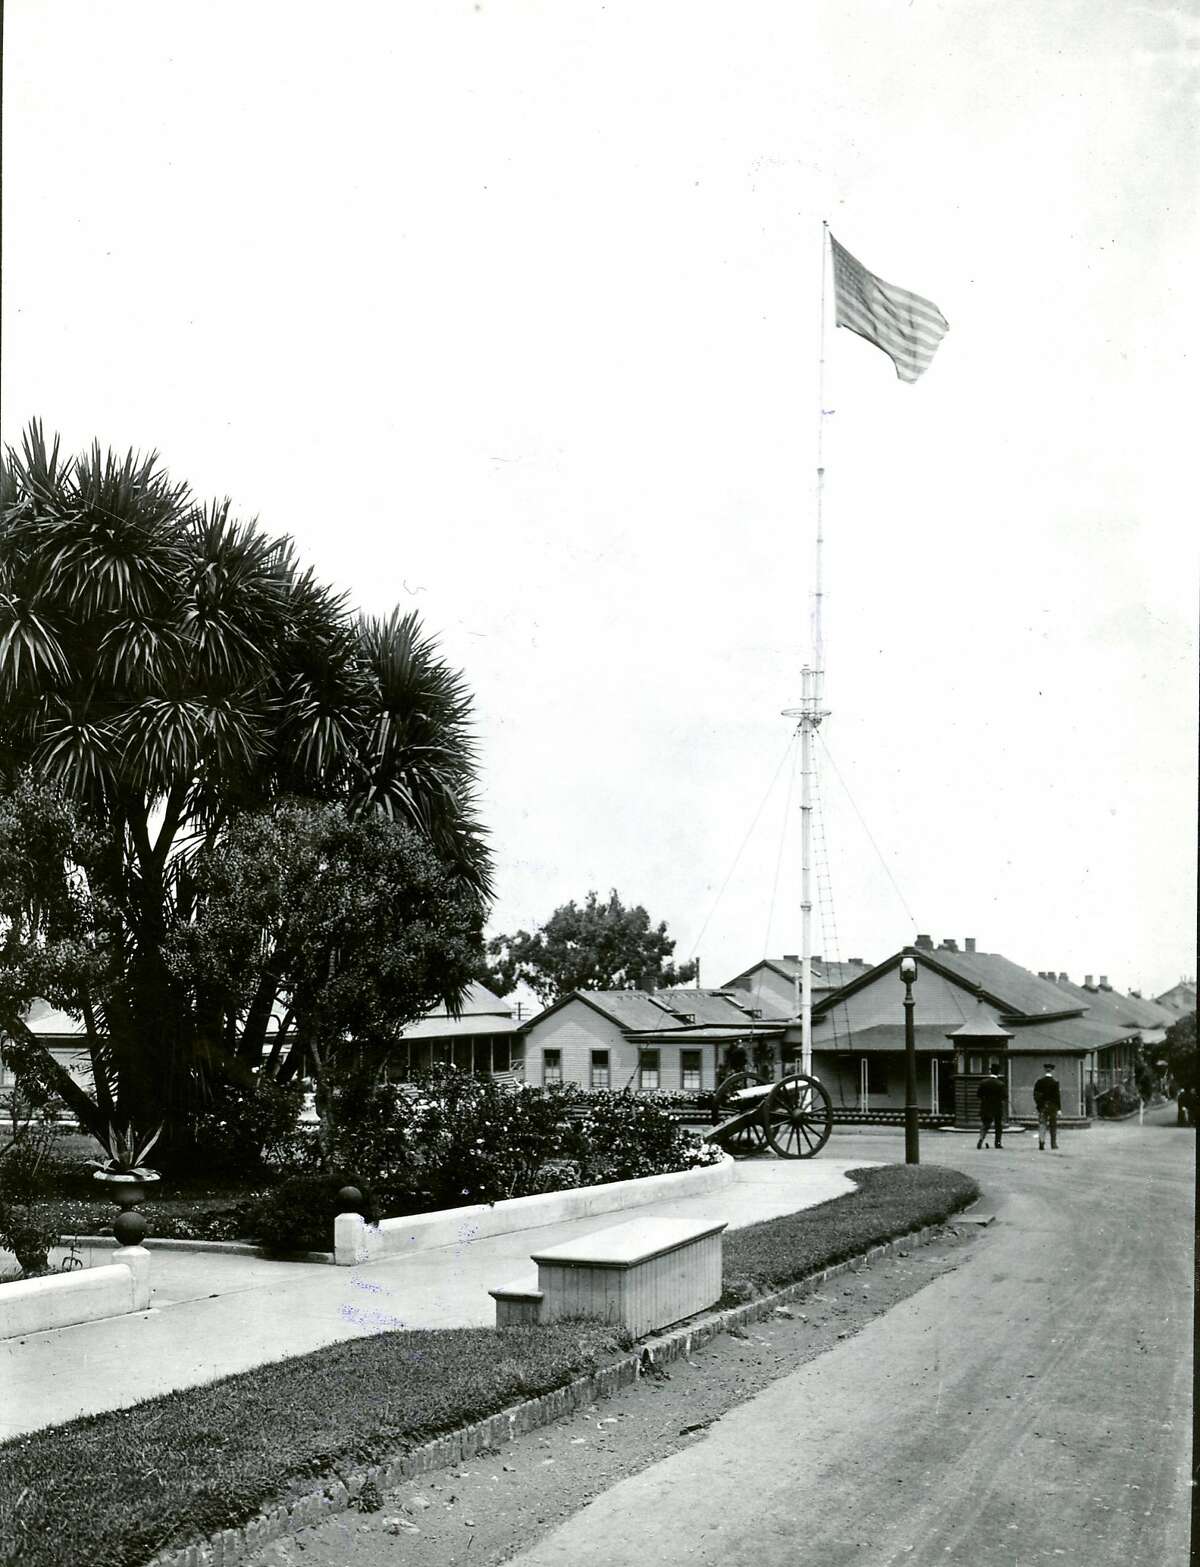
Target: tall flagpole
column 810, row 712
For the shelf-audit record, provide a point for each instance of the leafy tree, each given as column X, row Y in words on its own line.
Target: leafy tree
column 316, row 928
column 1178, row 1050
column 165, row 671
column 601, row 946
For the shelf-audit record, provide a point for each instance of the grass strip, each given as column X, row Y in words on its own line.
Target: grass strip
column 891, row 1200
column 114, row 1489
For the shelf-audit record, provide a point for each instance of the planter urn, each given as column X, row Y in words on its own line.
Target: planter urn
column 127, row 1190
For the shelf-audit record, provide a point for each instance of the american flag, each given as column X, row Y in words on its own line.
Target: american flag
column 907, row 327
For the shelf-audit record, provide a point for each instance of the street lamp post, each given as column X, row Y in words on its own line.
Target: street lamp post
column 912, row 1134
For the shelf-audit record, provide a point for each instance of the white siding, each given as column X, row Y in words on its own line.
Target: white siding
column 577, row 1029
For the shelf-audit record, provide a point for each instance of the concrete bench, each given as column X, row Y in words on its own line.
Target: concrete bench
column 644, row 1274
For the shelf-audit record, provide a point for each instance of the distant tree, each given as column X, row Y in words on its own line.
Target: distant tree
column 1178, row 1050
column 165, row 672
column 601, row 946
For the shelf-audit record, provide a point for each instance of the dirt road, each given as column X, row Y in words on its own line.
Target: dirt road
column 1032, row 1407
column 1018, row 1398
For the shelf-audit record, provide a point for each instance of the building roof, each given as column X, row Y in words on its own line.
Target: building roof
column 825, row 975
column 479, row 1001
column 717, row 1006
column 439, row 1026
column 1180, row 999
column 928, row 1037
column 982, row 1029
column 634, row 1010
column 1108, row 1005
column 659, row 1012
column 1068, row 1033
column 1019, row 991
column 42, row 1018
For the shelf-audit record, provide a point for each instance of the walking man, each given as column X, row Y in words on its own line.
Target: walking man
column 991, row 1106
column 1047, row 1096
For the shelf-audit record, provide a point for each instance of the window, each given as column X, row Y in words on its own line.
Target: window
column 648, row 1069
column 689, row 1071
column 551, row 1067
column 875, row 1073
column 599, row 1068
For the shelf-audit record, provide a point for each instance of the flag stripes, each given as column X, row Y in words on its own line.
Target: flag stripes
column 906, row 327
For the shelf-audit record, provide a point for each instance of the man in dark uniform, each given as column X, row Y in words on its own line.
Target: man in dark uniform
column 991, row 1106
column 1047, row 1096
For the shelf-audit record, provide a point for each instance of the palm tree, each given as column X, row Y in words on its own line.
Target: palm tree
column 166, row 667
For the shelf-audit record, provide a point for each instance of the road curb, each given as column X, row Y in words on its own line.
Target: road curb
column 229, row 1546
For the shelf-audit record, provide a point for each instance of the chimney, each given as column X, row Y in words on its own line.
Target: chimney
column 1087, row 982
column 924, row 943
column 817, row 958
column 968, row 944
column 791, row 957
column 949, row 945
column 1136, row 994
column 1064, row 979
column 856, row 962
column 1104, row 984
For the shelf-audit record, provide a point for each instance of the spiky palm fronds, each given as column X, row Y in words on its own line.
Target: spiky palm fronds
column 167, row 667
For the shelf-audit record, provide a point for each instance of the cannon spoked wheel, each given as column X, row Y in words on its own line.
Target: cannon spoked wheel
column 748, row 1139
column 798, row 1117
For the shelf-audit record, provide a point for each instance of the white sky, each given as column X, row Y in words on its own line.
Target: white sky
column 510, row 312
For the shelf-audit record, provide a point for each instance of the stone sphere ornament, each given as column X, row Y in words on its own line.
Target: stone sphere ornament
column 129, row 1227
column 349, row 1199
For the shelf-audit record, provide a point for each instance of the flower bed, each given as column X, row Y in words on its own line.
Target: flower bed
column 450, row 1141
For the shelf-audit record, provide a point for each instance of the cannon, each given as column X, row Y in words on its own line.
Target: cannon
column 794, row 1117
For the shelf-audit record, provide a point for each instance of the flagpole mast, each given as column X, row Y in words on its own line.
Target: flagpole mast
column 810, row 712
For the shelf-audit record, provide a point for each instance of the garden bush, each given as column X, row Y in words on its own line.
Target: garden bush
column 1121, row 1099
column 625, row 1135
column 28, row 1166
column 298, row 1214
column 247, row 1127
column 451, row 1139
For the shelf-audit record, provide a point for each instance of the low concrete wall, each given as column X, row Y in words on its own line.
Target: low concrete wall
column 355, row 1241
column 61, row 1299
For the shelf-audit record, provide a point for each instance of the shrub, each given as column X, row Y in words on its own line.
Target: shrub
column 247, row 1126
column 27, row 1168
column 1116, row 1101
column 365, row 1126
column 298, row 1214
column 626, row 1135
column 450, row 1139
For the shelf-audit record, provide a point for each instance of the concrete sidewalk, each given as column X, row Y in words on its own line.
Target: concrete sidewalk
column 215, row 1314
